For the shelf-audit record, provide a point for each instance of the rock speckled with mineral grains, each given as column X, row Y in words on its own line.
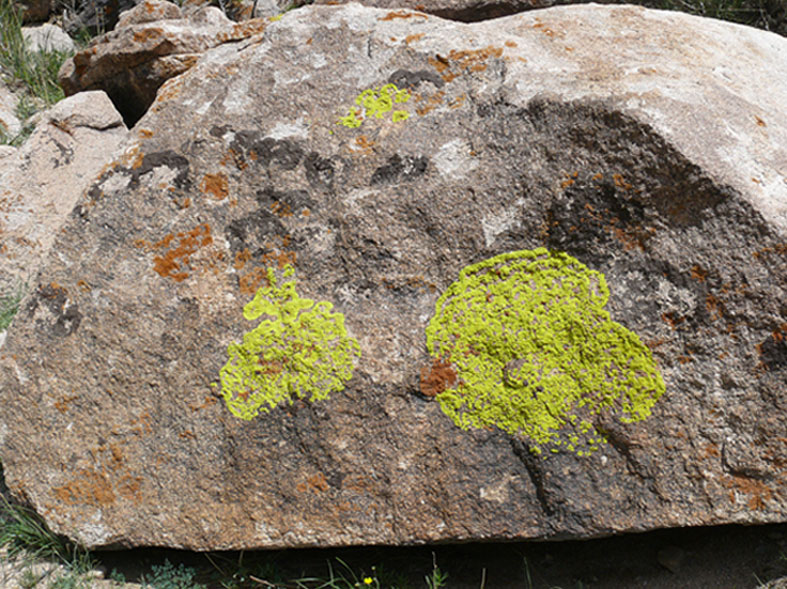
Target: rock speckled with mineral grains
column 371, row 159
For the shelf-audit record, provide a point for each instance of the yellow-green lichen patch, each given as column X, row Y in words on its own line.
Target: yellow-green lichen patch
column 299, row 350
column 536, row 354
column 377, row 102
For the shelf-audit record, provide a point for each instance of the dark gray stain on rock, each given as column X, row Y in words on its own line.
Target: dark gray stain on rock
column 773, row 351
column 400, row 169
column 167, row 158
column 55, row 298
column 319, row 171
column 286, row 202
column 412, row 79
column 253, row 230
column 265, row 151
column 592, row 216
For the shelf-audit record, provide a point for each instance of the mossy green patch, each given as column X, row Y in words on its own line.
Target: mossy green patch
column 376, row 102
column 536, row 354
column 299, row 350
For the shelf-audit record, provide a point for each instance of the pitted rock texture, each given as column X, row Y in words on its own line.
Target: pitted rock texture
column 154, row 41
column 41, row 181
column 639, row 143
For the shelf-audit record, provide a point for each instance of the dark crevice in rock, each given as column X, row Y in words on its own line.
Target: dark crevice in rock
column 473, row 14
column 535, row 472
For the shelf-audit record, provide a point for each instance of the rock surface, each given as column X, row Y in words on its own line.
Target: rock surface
column 9, row 122
column 286, row 222
column 152, row 43
column 41, row 181
column 47, row 37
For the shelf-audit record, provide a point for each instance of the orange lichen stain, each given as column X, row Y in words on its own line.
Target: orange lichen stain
column 206, row 402
column 620, row 182
column 309, row 41
column 756, row 181
column 551, row 33
column 146, row 133
column 142, row 424
column 760, row 122
column 90, row 488
column 281, row 209
column 654, row 344
column 431, row 103
column 569, row 48
column 672, row 320
column 62, row 404
column 146, row 35
column 714, row 306
column 416, row 37
column 250, row 282
column 697, row 273
column 362, row 145
column 457, row 103
column 216, row 185
column 510, row 44
column 129, row 488
column 241, row 258
column 168, row 91
column 439, row 62
column 281, row 259
column 758, row 493
column 175, row 261
column 570, row 179
column 598, row 176
column 402, row 14
column 315, row 483
column 437, row 377
column 83, row 286
column 247, row 28
column 779, row 249
column 187, row 434
column 710, row 450
column 237, row 159
column 471, row 60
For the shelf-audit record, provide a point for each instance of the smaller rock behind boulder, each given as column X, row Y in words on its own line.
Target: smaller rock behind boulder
column 154, row 42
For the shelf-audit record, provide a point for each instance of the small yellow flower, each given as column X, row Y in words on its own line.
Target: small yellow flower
column 368, row 580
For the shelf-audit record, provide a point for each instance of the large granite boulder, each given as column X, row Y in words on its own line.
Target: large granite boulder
column 41, row 181
column 375, row 277
column 153, row 42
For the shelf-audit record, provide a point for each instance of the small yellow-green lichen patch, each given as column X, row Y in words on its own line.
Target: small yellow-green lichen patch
column 299, row 349
column 376, row 102
column 536, row 354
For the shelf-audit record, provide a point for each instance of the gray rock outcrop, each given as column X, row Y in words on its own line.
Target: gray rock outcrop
column 41, row 181
column 375, row 277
